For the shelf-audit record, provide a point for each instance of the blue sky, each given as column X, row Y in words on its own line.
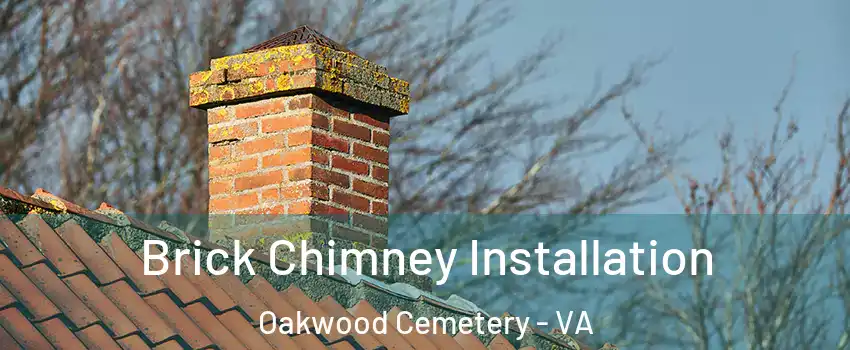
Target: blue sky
column 727, row 60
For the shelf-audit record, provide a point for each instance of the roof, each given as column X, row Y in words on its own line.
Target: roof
column 74, row 277
column 300, row 35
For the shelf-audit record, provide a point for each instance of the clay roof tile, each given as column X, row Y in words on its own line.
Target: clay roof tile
column 7, row 340
column 93, row 257
column 469, row 341
column 59, row 335
column 178, row 320
column 24, row 333
column 20, row 246
column 34, row 302
column 49, row 243
column 65, row 300
column 131, row 265
column 81, row 285
column 109, row 314
column 139, row 312
column 219, row 334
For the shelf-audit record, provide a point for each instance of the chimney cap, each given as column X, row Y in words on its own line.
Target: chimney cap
column 297, row 36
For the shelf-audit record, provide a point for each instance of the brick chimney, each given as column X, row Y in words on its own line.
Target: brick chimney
column 298, row 125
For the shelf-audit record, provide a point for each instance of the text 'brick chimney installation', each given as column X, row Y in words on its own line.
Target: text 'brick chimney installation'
column 299, row 125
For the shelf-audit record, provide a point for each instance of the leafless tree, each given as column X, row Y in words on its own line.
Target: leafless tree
column 95, row 105
column 780, row 275
column 95, row 109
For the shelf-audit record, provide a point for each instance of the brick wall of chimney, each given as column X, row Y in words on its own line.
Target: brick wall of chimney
column 300, row 155
column 299, row 131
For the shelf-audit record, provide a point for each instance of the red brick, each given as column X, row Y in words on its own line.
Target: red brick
column 319, row 156
column 330, row 142
column 300, row 102
column 371, row 153
column 284, row 123
column 220, row 186
column 380, row 138
column 206, row 78
column 232, row 132
column 370, row 189
column 259, row 108
column 305, row 63
column 298, row 138
column 311, row 137
column 371, row 121
column 258, row 70
column 301, row 81
column 270, row 83
column 350, row 165
column 220, row 152
column 259, row 180
column 305, row 190
column 352, row 130
column 299, row 208
column 295, row 121
column 269, row 195
column 324, row 209
column 319, row 174
column 350, row 200
column 379, row 208
column 297, row 156
column 272, row 143
column 316, row 103
column 198, row 97
column 218, row 115
column 287, row 158
column 245, row 219
column 230, row 169
column 380, row 174
column 313, row 207
column 241, row 201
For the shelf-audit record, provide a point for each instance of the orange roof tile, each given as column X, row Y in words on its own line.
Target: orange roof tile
column 66, row 282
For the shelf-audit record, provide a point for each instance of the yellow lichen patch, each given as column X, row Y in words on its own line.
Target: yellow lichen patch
column 58, row 205
column 404, row 105
column 381, row 79
column 305, row 61
column 399, row 86
column 218, row 116
column 226, row 93
column 287, row 68
column 257, row 87
column 39, row 211
column 223, row 132
column 328, row 83
column 198, row 96
column 284, row 82
column 272, row 54
column 199, row 78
